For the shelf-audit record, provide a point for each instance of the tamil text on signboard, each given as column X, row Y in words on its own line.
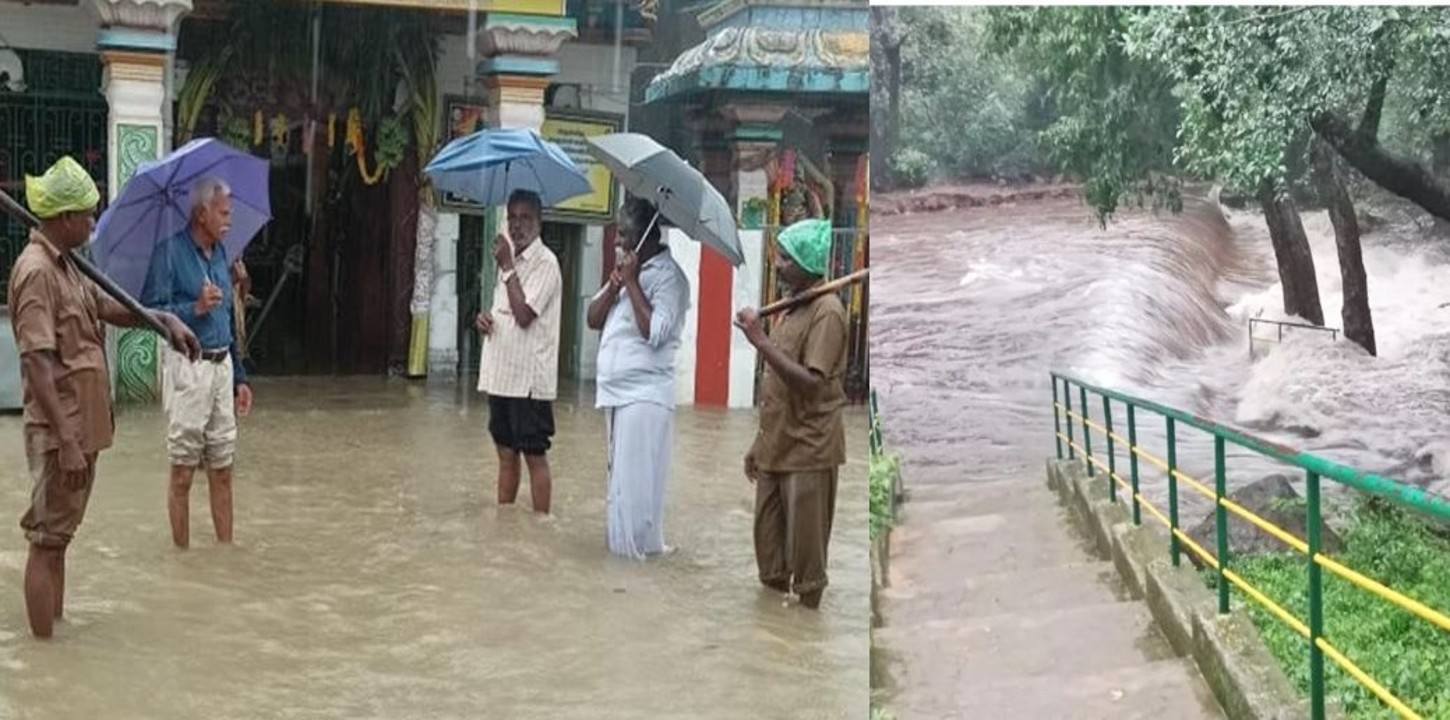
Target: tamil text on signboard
column 569, row 131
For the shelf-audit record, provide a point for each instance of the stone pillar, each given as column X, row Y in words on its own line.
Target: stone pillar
column 518, row 65
column 443, row 304
column 136, row 40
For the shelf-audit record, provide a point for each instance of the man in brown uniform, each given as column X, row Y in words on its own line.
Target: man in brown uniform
column 802, row 440
column 57, row 315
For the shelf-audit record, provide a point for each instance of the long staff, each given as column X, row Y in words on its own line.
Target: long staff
column 815, row 292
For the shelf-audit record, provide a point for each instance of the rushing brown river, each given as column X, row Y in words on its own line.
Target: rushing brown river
column 972, row 310
column 373, row 576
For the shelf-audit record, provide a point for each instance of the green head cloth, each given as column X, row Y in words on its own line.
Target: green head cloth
column 808, row 243
column 65, row 187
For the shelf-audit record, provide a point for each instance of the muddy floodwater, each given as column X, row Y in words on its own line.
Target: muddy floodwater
column 373, row 576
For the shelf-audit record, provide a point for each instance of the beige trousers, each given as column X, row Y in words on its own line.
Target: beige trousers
column 202, row 412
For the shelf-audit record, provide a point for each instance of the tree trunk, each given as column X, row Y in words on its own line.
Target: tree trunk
column 1291, row 251
column 885, row 91
column 1358, row 325
column 1440, row 155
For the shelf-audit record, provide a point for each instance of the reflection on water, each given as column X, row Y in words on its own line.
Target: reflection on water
column 374, row 577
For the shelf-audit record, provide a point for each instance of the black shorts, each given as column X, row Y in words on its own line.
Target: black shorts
column 521, row 424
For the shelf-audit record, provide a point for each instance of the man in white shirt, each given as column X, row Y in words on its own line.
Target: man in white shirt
column 640, row 312
column 519, row 369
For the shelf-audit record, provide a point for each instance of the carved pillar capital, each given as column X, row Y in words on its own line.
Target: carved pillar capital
column 523, row 35
column 155, row 15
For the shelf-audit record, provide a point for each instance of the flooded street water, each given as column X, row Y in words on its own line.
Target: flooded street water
column 373, row 576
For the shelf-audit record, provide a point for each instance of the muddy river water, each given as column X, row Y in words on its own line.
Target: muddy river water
column 373, row 576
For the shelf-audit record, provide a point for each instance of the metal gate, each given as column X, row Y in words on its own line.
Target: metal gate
column 61, row 112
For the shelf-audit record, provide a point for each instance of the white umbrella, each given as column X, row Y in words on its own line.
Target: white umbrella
column 654, row 172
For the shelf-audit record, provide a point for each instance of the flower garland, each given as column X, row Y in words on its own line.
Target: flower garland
column 249, row 133
column 357, row 145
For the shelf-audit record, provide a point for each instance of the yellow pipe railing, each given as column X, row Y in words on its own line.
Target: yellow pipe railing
column 1318, row 641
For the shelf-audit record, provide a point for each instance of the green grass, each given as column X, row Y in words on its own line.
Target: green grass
column 884, row 469
column 1407, row 655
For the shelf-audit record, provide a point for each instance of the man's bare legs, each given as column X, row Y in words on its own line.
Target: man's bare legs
column 179, row 505
column 219, row 482
column 541, row 482
column 58, row 574
column 508, row 475
column 44, row 586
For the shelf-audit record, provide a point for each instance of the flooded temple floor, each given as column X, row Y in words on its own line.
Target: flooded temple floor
column 374, row 576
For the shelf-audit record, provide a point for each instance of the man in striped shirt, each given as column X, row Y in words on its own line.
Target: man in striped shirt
column 519, row 369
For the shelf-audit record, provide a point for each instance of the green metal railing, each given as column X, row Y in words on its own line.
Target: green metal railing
column 1316, row 470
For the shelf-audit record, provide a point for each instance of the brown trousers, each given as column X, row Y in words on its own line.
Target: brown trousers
column 55, row 511
column 793, row 514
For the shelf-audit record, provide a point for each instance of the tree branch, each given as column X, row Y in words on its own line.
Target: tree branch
column 1405, row 178
column 1369, row 125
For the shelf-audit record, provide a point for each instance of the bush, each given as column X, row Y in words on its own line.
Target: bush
column 884, row 471
column 1399, row 650
column 913, row 168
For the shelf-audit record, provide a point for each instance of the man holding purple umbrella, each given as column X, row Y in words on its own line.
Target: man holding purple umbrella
column 191, row 277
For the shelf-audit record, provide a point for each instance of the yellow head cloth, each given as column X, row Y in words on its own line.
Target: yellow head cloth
column 65, row 187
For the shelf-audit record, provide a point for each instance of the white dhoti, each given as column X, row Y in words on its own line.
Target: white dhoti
column 641, row 436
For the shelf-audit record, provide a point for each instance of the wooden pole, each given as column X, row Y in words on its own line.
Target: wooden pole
column 815, row 292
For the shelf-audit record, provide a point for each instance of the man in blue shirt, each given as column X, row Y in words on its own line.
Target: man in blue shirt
column 190, row 276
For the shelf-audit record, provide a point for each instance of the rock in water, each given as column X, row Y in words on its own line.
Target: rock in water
column 1275, row 500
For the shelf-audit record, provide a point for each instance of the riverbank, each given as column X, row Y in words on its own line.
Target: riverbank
column 957, row 196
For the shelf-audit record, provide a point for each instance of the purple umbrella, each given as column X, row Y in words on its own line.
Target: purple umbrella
column 156, row 204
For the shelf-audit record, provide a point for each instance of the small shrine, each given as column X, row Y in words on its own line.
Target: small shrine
column 777, row 102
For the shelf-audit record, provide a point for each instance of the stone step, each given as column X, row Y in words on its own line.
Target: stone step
column 1019, row 590
column 1168, row 688
column 950, row 651
column 926, row 502
column 982, row 544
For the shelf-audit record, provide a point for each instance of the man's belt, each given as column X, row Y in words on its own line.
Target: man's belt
column 215, row 356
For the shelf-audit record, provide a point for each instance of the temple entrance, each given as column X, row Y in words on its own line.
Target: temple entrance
column 314, row 89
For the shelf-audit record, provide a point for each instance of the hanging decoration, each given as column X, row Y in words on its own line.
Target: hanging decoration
column 281, row 137
column 357, row 146
column 258, row 129
column 331, row 130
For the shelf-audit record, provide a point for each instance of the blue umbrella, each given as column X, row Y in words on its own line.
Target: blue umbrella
column 488, row 165
column 156, row 204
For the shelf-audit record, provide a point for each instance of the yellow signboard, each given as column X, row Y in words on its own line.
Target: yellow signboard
column 523, row 7
column 568, row 130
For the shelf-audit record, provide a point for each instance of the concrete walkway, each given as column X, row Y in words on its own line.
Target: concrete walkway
column 998, row 608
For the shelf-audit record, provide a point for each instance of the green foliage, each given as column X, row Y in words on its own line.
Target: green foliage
column 1148, row 94
column 1399, row 650
column 971, row 113
column 884, row 471
column 913, row 167
column 392, row 143
column 880, row 713
column 1116, row 116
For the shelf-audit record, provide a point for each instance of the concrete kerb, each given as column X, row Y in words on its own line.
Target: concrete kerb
column 1245, row 677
